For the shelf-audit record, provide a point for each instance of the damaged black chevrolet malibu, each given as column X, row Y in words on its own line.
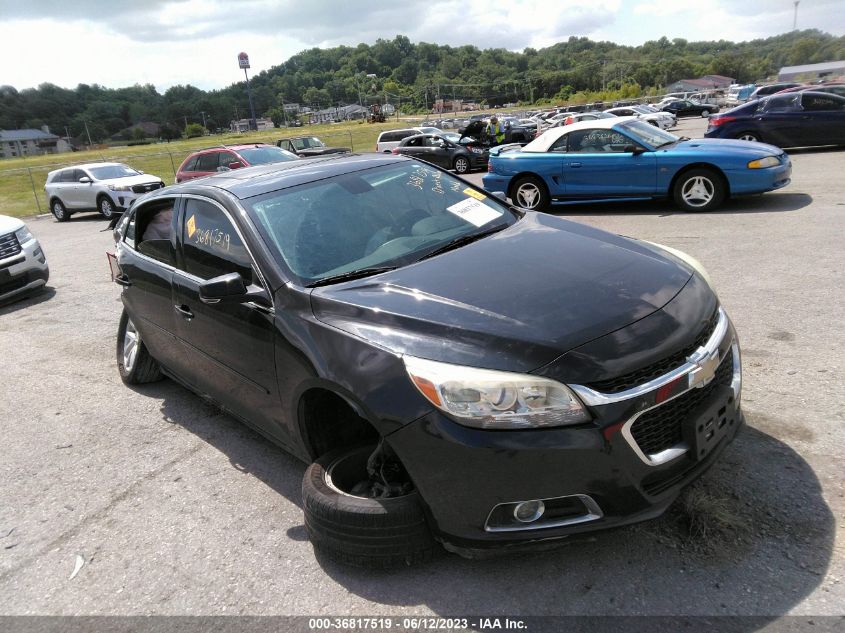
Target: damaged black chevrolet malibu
column 453, row 369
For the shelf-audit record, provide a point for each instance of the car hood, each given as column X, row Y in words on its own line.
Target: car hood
column 9, row 224
column 720, row 145
column 475, row 128
column 514, row 301
column 140, row 179
column 321, row 151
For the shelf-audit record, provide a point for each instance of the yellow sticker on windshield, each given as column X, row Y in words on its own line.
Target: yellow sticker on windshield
column 192, row 226
column 474, row 194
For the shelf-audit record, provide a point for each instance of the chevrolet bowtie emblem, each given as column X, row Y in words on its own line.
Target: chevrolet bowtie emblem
column 705, row 369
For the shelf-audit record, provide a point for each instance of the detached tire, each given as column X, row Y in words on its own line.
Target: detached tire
column 134, row 362
column 358, row 531
column 699, row 190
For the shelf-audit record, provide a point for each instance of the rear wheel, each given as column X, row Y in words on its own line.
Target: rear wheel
column 461, row 164
column 59, row 211
column 748, row 136
column 699, row 190
column 350, row 523
column 705, row 113
column 134, row 362
column 529, row 192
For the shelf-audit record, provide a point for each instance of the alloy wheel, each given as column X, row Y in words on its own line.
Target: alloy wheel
column 698, row 191
column 131, row 340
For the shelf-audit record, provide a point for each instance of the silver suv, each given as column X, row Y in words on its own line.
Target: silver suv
column 23, row 265
column 105, row 187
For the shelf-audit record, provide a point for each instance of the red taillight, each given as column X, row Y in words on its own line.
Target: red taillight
column 719, row 120
column 489, row 166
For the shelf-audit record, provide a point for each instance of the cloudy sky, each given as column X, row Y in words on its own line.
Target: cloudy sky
column 166, row 42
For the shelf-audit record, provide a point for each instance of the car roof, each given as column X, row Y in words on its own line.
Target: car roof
column 252, row 181
column 86, row 166
column 218, row 148
column 545, row 140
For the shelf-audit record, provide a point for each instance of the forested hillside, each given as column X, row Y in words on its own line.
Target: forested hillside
column 413, row 75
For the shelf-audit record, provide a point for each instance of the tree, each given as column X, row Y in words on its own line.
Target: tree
column 193, row 130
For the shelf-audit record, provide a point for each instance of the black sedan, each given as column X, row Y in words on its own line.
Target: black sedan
column 454, row 369
column 684, row 107
column 450, row 151
column 792, row 119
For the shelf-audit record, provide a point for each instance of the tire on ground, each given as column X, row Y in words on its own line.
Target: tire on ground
column 540, row 200
column 144, row 368
column 59, row 211
column 711, row 184
column 371, row 533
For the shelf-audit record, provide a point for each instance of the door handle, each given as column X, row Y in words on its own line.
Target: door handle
column 574, row 164
column 122, row 280
column 184, row 311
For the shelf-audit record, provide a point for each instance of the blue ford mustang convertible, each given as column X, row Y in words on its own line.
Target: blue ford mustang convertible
column 613, row 159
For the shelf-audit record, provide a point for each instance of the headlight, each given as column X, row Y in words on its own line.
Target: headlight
column 23, row 235
column 120, row 187
column 489, row 399
column 762, row 163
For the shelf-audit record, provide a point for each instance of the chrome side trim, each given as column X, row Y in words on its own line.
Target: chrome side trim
column 593, row 513
column 593, row 398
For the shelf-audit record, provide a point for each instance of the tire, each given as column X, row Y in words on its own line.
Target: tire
column 358, row 531
column 705, row 113
column 106, row 207
column 748, row 136
column 654, row 123
column 529, row 192
column 59, row 211
column 461, row 164
column 699, row 190
column 134, row 362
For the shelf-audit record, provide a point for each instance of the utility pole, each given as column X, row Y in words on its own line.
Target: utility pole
column 87, row 133
column 203, row 118
column 795, row 19
column 186, row 123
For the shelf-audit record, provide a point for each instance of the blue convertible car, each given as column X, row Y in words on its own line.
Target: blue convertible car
column 613, row 159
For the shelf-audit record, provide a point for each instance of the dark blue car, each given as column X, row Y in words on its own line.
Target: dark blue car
column 628, row 159
column 792, row 119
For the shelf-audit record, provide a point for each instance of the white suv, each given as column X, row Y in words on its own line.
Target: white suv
column 105, row 187
column 389, row 139
column 23, row 265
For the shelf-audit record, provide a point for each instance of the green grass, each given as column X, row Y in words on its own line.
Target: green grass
column 19, row 175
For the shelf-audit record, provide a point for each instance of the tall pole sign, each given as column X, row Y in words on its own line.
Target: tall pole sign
column 243, row 62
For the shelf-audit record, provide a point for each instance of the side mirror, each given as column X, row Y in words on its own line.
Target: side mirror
column 85, row 180
column 230, row 288
column 634, row 149
column 236, row 164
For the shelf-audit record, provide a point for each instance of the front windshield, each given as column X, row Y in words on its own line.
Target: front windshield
column 648, row 134
column 390, row 215
column 451, row 136
column 107, row 172
column 264, row 154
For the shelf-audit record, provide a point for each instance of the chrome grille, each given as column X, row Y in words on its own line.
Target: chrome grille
column 660, row 428
column 659, row 368
column 148, row 187
column 9, row 245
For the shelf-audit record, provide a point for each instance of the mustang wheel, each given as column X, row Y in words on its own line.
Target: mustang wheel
column 530, row 193
column 350, row 525
column 748, row 136
column 106, row 207
column 461, row 165
column 699, row 190
column 134, row 362
column 59, row 211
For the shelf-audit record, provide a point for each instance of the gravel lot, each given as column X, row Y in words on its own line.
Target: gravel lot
column 175, row 508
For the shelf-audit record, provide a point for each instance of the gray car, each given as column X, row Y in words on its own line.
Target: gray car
column 23, row 265
column 105, row 187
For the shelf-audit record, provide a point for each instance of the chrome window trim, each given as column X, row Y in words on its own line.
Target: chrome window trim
column 594, row 513
column 594, row 398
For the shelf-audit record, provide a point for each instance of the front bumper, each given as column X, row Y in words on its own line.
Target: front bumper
column 594, row 476
column 748, row 181
column 24, row 271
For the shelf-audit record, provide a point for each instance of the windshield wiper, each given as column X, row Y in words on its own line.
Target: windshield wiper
column 462, row 240
column 350, row 275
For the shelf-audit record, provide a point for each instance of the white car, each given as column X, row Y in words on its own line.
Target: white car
column 663, row 120
column 389, row 139
column 108, row 188
column 23, row 265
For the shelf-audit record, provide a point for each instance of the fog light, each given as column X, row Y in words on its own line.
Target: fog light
column 529, row 511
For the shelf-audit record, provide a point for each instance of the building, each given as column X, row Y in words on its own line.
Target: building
column 708, row 82
column 15, row 143
column 340, row 113
column 242, row 125
column 812, row 72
